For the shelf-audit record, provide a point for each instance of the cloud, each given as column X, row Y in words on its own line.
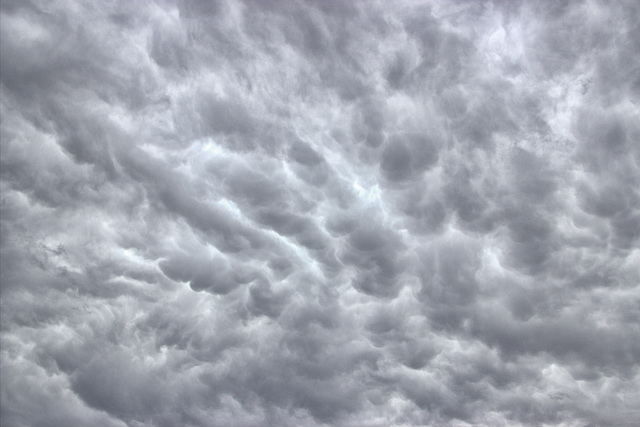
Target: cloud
column 256, row 213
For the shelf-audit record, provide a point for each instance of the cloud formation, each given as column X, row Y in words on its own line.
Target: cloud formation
column 258, row 213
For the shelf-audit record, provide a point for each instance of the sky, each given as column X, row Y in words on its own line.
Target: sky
column 320, row 213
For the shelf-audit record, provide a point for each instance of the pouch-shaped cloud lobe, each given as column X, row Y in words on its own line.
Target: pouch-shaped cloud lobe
column 349, row 213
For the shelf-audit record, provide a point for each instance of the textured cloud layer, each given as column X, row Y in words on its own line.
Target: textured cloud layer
column 260, row 213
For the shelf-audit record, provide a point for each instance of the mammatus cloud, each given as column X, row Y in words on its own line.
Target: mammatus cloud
column 260, row 213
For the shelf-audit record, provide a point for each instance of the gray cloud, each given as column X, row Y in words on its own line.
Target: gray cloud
column 256, row 213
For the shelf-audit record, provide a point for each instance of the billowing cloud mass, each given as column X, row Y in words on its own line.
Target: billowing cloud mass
column 306, row 213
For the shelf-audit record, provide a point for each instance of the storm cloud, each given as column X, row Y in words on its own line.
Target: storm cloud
column 349, row 213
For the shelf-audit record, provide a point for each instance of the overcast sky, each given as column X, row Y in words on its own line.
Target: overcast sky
column 306, row 213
